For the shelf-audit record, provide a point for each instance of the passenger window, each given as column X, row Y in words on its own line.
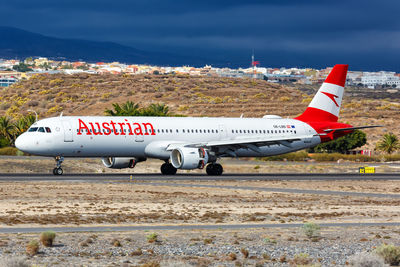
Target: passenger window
column 208, row 130
column 177, row 131
column 212, row 131
column 48, row 130
column 33, row 129
column 41, row 130
column 263, row 131
column 183, row 130
column 192, row 131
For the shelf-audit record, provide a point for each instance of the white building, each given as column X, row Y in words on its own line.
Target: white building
column 372, row 79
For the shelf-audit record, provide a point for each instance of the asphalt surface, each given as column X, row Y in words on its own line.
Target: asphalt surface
column 11, row 230
column 197, row 177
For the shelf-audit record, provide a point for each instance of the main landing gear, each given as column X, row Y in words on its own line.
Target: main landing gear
column 168, row 169
column 58, row 170
column 214, row 169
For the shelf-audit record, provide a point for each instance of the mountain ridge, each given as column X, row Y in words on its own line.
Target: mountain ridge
column 13, row 44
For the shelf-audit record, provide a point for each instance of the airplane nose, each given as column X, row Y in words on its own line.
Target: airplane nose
column 22, row 142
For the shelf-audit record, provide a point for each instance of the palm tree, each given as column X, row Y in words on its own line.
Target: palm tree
column 160, row 110
column 127, row 109
column 389, row 143
column 23, row 124
column 7, row 128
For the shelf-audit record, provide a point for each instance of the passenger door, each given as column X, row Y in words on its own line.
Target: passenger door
column 68, row 136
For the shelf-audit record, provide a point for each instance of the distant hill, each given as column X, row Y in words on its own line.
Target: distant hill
column 17, row 43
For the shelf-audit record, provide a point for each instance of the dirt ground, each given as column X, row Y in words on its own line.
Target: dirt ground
column 119, row 203
column 67, row 203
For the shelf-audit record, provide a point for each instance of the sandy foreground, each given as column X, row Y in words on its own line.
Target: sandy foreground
column 67, row 203
column 52, row 204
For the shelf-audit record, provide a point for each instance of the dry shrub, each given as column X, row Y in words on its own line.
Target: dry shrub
column 232, row 256
column 32, row 248
column 115, row 242
column 245, row 252
column 47, row 238
column 301, row 259
column 151, row 264
column 389, row 253
column 137, row 252
column 208, row 241
column 365, row 259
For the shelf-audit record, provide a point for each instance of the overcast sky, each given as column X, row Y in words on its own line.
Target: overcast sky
column 316, row 33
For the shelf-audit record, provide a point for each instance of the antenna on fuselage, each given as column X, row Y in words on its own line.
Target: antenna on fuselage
column 241, row 115
column 61, row 114
column 36, row 115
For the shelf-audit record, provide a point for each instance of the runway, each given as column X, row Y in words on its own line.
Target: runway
column 197, row 177
column 17, row 230
column 165, row 180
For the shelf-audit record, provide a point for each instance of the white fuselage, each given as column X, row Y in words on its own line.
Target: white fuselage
column 125, row 140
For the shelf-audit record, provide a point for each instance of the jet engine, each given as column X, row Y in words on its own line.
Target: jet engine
column 188, row 158
column 119, row 163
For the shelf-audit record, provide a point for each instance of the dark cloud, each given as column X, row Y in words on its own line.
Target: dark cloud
column 283, row 32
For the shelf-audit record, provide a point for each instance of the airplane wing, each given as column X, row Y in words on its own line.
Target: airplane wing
column 229, row 146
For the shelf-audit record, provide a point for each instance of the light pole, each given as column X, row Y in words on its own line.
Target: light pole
column 36, row 115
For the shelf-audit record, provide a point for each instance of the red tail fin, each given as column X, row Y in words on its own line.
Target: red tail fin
column 325, row 105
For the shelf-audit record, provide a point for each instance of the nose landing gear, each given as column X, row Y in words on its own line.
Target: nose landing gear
column 58, row 170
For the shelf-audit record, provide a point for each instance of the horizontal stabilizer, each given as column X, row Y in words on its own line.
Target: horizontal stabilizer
column 351, row 128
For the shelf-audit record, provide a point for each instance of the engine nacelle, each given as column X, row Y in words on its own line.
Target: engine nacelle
column 119, row 163
column 189, row 158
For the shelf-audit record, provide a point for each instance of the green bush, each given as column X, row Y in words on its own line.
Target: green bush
column 389, row 253
column 151, row 238
column 32, row 248
column 9, row 151
column 323, row 157
column 348, row 142
column 47, row 238
column 311, row 230
column 391, row 157
column 294, row 156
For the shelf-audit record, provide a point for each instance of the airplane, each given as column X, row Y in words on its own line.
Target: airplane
column 189, row 143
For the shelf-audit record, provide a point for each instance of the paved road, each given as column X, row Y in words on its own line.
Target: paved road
column 10, row 230
column 198, row 177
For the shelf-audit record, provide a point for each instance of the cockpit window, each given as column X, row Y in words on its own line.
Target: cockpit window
column 48, row 130
column 33, row 129
column 41, row 130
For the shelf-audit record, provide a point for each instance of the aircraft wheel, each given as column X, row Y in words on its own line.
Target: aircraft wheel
column 58, row 171
column 168, row 169
column 218, row 169
column 214, row 169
